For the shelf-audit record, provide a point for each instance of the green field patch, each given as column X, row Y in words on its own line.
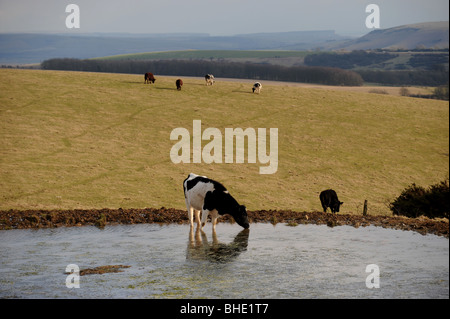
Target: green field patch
column 208, row 54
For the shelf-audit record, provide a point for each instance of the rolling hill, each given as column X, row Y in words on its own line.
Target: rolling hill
column 411, row 36
column 34, row 48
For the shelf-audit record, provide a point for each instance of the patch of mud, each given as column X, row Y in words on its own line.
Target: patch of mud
column 101, row 270
column 20, row 219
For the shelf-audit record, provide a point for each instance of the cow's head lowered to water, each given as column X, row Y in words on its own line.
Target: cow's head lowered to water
column 240, row 216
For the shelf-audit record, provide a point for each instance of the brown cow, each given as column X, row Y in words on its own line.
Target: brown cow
column 179, row 84
column 149, row 78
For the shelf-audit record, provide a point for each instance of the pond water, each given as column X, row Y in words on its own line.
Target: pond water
column 169, row 261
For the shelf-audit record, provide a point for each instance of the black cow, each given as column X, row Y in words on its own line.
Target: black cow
column 211, row 197
column 329, row 198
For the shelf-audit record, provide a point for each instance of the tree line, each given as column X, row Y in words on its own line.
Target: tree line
column 397, row 78
column 429, row 69
column 268, row 72
column 348, row 60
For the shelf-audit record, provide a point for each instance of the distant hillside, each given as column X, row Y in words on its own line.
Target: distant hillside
column 34, row 48
column 422, row 35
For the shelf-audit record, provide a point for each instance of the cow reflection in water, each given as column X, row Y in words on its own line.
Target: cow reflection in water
column 200, row 249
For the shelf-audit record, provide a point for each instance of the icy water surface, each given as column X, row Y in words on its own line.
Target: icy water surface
column 307, row 261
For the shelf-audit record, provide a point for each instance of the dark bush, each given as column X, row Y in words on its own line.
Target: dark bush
column 416, row 201
column 441, row 92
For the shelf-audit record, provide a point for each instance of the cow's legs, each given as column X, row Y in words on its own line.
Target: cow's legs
column 191, row 215
column 205, row 213
column 197, row 217
column 325, row 204
column 214, row 216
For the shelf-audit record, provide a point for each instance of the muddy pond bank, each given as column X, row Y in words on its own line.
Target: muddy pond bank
column 23, row 219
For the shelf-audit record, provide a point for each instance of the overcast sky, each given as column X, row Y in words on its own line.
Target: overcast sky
column 216, row 17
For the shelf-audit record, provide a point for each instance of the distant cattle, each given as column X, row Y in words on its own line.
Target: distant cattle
column 209, row 78
column 210, row 197
column 179, row 84
column 328, row 198
column 149, row 78
column 257, row 87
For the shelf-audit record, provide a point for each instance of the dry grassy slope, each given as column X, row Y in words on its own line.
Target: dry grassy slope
column 89, row 140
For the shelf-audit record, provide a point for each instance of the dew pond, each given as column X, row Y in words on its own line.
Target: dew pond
column 169, row 261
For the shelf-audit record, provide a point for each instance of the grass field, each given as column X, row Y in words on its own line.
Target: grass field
column 278, row 57
column 207, row 54
column 92, row 140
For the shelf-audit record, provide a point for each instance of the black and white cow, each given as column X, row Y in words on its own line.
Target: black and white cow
column 209, row 78
column 257, row 87
column 210, row 197
column 328, row 198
